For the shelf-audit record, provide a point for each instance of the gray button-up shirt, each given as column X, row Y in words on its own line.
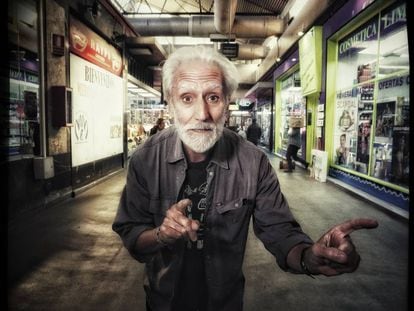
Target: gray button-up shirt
column 241, row 184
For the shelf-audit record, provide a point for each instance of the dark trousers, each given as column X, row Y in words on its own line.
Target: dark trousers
column 292, row 153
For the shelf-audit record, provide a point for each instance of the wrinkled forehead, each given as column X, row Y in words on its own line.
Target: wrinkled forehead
column 185, row 86
column 197, row 76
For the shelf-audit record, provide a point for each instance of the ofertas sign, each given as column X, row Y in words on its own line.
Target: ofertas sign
column 88, row 45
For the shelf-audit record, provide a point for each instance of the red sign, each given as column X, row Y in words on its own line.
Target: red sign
column 88, row 45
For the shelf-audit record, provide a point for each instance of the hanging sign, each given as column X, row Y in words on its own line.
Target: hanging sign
column 310, row 55
column 88, row 45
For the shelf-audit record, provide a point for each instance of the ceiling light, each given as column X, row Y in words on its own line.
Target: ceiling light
column 278, row 59
column 300, row 33
column 293, row 59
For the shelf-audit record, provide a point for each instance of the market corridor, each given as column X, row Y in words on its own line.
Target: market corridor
column 66, row 257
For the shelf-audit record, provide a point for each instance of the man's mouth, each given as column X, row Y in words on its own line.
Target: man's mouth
column 201, row 131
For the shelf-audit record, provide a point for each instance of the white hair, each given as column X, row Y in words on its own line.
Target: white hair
column 205, row 55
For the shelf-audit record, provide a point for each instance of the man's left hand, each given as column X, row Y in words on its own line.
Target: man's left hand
column 334, row 253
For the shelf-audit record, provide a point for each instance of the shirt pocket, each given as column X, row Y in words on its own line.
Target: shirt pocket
column 233, row 209
column 158, row 208
column 232, row 217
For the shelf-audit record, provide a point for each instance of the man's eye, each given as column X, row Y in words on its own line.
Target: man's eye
column 186, row 99
column 213, row 98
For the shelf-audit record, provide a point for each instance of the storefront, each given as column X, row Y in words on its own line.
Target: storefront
column 368, row 101
column 20, row 120
column 64, row 104
column 290, row 106
column 97, row 96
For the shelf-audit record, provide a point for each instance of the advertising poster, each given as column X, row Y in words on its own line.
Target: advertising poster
column 385, row 120
column 364, row 130
column 97, row 112
column 319, row 165
column 345, row 129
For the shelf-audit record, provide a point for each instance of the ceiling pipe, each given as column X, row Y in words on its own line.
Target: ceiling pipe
column 252, row 51
column 224, row 14
column 203, row 26
column 258, row 26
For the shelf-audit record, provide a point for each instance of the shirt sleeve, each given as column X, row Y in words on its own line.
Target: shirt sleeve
column 273, row 221
column 133, row 216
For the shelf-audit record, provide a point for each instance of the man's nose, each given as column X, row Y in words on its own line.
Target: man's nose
column 201, row 110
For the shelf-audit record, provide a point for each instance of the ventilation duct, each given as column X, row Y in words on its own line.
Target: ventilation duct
column 224, row 13
column 203, row 26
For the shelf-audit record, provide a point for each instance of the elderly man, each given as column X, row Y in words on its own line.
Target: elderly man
column 192, row 189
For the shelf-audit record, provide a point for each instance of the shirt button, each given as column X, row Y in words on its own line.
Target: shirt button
column 236, row 205
column 211, row 173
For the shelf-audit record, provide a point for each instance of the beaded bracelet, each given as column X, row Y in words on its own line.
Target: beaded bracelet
column 303, row 266
column 159, row 240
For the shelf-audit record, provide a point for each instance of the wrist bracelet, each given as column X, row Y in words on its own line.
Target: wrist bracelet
column 303, row 266
column 159, row 240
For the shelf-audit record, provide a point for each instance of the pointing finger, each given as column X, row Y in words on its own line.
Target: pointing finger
column 182, row 205
column 356, row 224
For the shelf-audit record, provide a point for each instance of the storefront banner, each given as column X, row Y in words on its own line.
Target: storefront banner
column 97, row 101
column 393, row 19
column 88, row 45
column 357, row 40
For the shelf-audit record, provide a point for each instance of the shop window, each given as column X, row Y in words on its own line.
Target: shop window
column 143, row 111
column 293, row 105
column 371, row 133
column 264, row 119
column 357, row 55
column 393, row 44
column 392, row 126
column 19, row 108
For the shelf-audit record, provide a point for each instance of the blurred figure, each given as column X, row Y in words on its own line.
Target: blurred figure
column 159, row 126
column 294, row 143
column 254, row 132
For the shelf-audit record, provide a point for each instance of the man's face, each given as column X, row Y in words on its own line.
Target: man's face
column 198, row 105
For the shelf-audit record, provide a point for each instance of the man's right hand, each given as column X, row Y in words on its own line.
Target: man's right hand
column 177, row 225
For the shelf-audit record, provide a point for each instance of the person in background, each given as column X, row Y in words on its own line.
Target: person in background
column 159, row 126
column 294, row 143
column 254, row 132
column 192, row 189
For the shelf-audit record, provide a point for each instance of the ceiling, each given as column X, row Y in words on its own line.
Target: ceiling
column 163, row 26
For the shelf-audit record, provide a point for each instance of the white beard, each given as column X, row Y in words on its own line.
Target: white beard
column 200, row 142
